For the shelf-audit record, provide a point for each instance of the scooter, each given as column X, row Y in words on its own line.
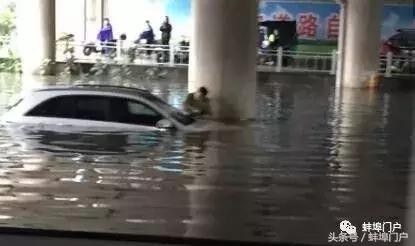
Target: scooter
column 143, row 49
column 109, row 47
column 181, row 54
column 406, row 62
column 103, row 48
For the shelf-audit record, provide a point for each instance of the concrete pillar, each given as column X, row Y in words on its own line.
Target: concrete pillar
column 223, row 55
column 36, row 33
column 361, row 42
column 94, row 16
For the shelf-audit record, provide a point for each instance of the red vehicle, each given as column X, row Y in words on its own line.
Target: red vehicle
column 401, row 42
column 402, row 46
column 387, row 46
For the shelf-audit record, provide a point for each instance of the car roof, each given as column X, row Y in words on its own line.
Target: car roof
column 128, row 91
column 406, row 30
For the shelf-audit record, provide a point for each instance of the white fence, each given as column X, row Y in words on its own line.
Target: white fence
column 130, row 54
column 286, row 61
column 176, row 56
column 403, row 65
column 268, row 60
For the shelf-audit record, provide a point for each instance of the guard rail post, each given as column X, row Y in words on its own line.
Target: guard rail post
column 333, row 67
column 171, row 55
column 388, row 69
column 279, row 59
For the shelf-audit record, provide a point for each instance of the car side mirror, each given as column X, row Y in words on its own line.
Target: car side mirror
column 164, row 124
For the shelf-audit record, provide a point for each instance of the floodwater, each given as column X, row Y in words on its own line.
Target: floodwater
column 314, row 156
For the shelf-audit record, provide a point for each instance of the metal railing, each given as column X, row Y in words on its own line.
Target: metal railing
column 402, row 65
column 130, row 54
column 278, row 60
column 175, row 55
column 296, row 61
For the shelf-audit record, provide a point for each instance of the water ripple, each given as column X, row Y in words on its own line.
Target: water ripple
column 310, row 158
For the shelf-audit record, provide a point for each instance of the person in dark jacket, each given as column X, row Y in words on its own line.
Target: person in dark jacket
column 105, row 35
column 166, row 29
column 197, row 103
column 148, row 33
column 274, row 39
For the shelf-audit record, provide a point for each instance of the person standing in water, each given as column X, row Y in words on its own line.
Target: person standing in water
column 197, row 103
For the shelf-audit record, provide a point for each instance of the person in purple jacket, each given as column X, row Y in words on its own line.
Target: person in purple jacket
column 105, row 35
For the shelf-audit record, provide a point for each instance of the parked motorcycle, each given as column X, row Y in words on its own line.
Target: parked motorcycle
column 142, row 49
column 108, row 48
column 181, row 54
column 405, row 63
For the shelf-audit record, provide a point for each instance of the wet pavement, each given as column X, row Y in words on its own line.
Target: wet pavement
column 314, row 156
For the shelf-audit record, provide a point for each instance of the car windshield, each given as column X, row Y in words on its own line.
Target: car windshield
column 173, row 112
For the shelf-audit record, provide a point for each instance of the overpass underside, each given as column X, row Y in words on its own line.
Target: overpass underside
column 223, row 47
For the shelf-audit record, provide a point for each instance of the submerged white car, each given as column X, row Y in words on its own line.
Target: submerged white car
column 99, row 108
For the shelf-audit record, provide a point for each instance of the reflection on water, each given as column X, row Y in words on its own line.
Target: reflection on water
column 314, row 156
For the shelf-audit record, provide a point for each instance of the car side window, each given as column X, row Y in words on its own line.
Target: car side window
column 98, row 108
column 74, row 107
column 133, row 112
column 93, row 108
column 135, row 108
column 404, row 40
column 396, row 40
column 59, row 107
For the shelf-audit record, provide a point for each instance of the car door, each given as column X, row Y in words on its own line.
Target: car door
column 57, row 111
column 133, row 114
column 78, row 113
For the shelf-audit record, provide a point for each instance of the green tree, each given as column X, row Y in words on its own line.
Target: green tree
column 7, row 19
column 11, row 63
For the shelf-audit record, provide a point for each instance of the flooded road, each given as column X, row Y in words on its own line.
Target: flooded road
column 314, row 156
